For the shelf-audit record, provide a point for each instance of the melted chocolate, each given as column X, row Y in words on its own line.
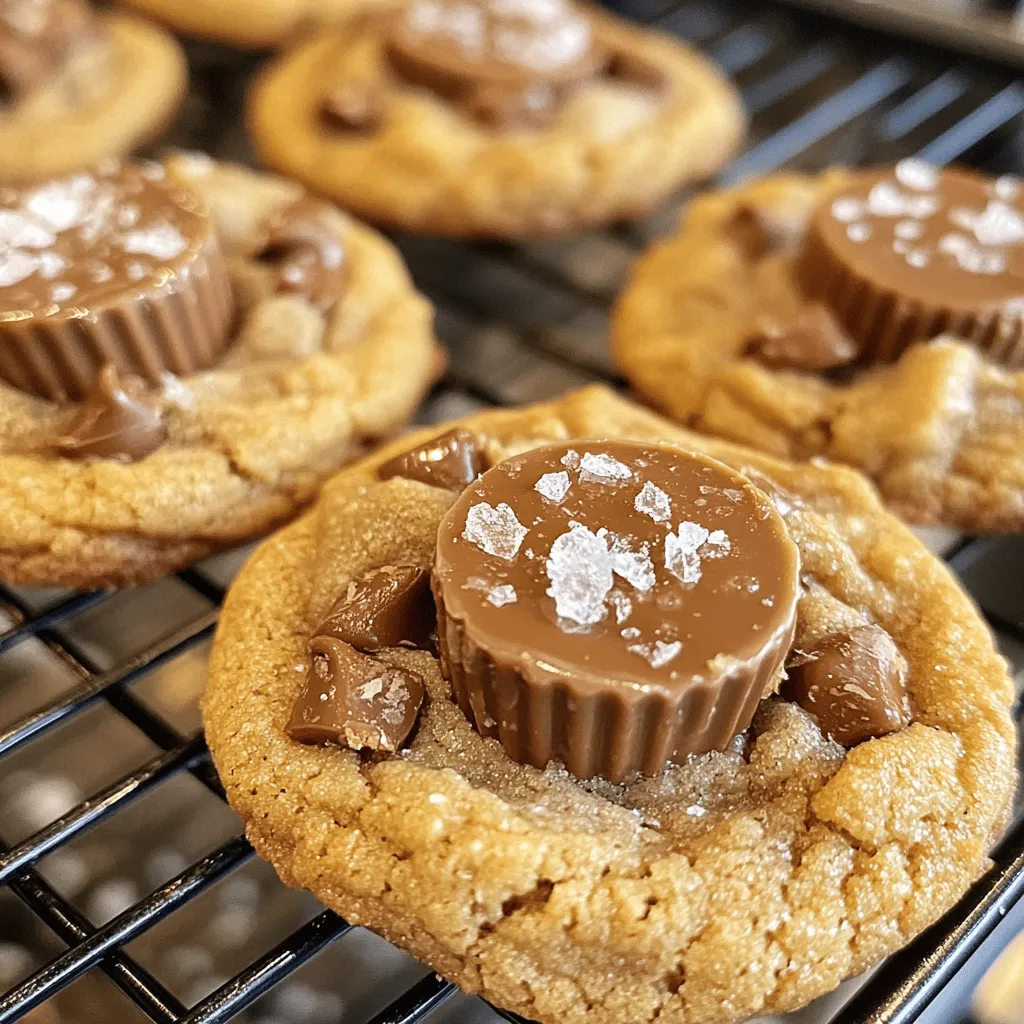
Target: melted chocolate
column 306, row 253
column 854, row 684
column 117, row 421
column 451, row 461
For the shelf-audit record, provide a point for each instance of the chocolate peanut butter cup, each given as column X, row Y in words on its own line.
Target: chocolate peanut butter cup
column 117, row 267
column 508, row 63
column 907, row 253
column 613, row 605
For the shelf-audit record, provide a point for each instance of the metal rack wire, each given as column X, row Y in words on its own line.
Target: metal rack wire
column 522, row 324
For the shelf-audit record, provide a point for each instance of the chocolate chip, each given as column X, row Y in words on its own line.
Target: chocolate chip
column 500, row 105
column 302, row 247
column 116, row 421
column 354, row 700
column 452, row 461
column 386, row 607
column 757, row 234
column 810, row 341
column 633, row 67
column 854, row 684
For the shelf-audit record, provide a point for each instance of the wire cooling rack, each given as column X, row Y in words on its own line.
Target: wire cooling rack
column 118, row 861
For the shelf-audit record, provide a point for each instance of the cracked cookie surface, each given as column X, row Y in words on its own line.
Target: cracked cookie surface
column 740, row 883
column 940, row 431
column 612, row 152
column 298, row 393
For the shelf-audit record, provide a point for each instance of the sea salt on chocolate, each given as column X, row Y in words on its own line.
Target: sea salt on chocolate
column 354, row 700
column 507, row 63
column 115, row 267
column 906, row 253
column 654, row 603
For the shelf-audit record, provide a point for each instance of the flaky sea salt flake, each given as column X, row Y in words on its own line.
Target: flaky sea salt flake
column 846, row 209
column 681, row 552
column 635, row 567
column 553, row 486
column 653, row 502
column 20, row 231
column 623, row 607
column 580, row 570
column 917, row 174
column 1006, row 187
column 496, row 531
column 603, row 468
column 719, row 543
column 503, row 595
column 162, row 241
column 658, row 654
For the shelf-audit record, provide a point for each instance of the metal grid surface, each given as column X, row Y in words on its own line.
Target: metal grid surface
column 522, row 324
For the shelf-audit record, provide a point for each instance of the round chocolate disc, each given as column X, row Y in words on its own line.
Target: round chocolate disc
column 449, row 45
column 119, row 266
column 910, row 252
column 613, row 604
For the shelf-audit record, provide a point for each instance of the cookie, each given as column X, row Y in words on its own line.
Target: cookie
column 739, row 881
column 248, row 24
column 243, row 341
column 481, row 118
column 78, row 86
column 868, row 317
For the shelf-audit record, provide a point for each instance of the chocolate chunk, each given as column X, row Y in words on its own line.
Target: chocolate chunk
column 306, row 253
column 613, row 604
column 756, row 233
column 452, row 461
column 117, row 421
column 811, row 341
column 903, row 254
column 854, row 684
column 386, row 607
column 354, row 700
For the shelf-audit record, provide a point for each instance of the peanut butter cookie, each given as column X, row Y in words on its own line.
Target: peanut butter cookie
column 552, row 785
column 78, row 86
column 248, row 24
column 869, row 317
column 187, row 350
column 493, row 118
